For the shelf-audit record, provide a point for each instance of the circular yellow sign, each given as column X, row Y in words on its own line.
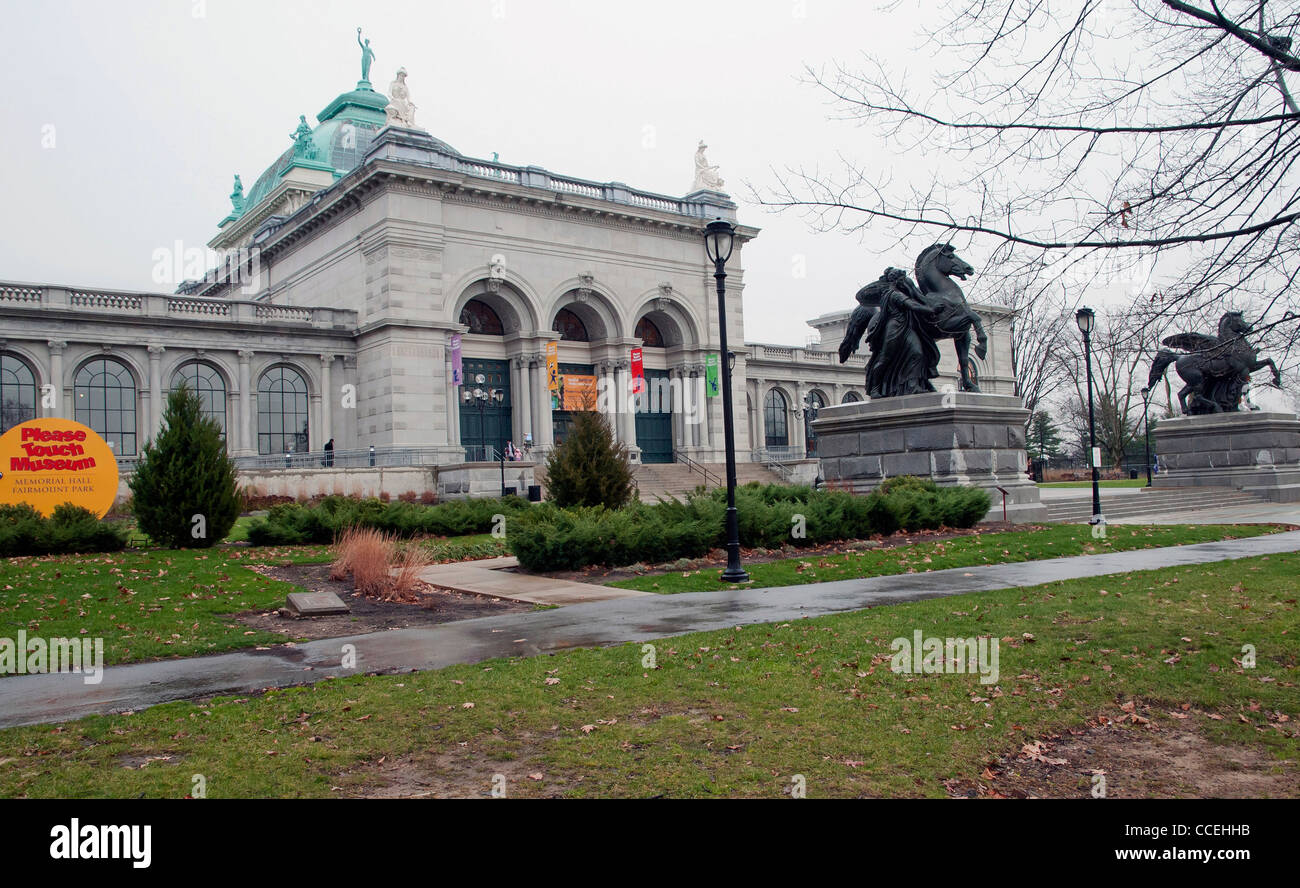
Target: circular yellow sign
column 51, row 461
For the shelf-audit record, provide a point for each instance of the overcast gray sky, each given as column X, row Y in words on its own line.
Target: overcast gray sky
column 155, row 104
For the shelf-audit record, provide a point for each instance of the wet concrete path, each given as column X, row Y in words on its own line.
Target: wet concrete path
column 30, row 699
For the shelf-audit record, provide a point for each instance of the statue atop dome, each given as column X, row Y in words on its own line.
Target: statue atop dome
column 706, row 175
column 367, row 56
column 303, row 147
column 400, row 110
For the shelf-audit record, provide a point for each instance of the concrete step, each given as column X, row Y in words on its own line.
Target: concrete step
column 1149, row 502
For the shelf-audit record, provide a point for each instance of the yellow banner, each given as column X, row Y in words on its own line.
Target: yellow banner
column 48, row 462
column 553, row 367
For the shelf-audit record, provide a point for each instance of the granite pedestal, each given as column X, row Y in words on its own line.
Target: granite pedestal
column 965, row 438
column 1254, row 451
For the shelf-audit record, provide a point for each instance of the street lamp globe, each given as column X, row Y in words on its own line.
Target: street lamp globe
column 1084, row 317
column 719, row 238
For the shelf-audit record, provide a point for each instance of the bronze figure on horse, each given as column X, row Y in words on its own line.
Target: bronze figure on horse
column 903, row 322
column 1214, row 368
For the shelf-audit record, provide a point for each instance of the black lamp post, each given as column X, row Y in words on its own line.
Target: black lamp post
column 719, row 239
column 1146, row 429
column 1085, row 318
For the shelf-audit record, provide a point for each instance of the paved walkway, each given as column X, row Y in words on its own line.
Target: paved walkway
column 494, row 577
column 29, row 699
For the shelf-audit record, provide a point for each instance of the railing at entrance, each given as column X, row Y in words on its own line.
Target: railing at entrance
column 697, row 467
column 775, row 458
column 481, row 453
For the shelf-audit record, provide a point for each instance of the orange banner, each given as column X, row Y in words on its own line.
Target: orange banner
column 577, row 392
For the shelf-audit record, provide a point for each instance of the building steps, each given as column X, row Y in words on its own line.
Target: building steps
column 1149, row 501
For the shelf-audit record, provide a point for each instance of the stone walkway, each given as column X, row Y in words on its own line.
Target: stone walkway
column 494, row 577
column 31, row 699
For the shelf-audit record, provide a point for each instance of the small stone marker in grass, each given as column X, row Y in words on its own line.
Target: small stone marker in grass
column 315, row 604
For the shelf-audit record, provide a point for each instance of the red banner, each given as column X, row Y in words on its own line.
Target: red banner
column 638, row 372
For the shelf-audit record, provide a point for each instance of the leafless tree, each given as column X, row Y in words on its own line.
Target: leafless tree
column 1150, row 144
column 1120, row 362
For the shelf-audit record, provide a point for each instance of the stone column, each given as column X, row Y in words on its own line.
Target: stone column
column 626, row 417
column 706, row 441
column 523, row 396
column 327, row 400
column 543, row 430
column 681, row 407
column 246, row 412
column 155, row 390
column 56, row 347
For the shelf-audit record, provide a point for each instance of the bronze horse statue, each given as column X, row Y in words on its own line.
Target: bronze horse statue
column 1215, row 368
column 903, row 323
column 953, row 319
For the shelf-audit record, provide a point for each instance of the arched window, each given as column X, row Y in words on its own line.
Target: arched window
column 775, row 431
column 851, row 397
column 649, row 334
column 815, row 400
column 211, row 388
column 481, row 318
column 282, row 412
column 104, row 391
column 17, row 392
column 570, row 326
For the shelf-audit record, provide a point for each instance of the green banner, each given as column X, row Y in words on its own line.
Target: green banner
column 711, row 382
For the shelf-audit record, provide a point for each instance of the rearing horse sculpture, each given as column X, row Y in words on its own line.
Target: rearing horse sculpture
column 953, row 318
column 1215, row 368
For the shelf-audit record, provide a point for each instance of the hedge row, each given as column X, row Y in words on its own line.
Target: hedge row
column 548, row 538
column 292, row 524
column 24, row 531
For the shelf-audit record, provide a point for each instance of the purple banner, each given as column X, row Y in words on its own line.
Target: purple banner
column 456, row 374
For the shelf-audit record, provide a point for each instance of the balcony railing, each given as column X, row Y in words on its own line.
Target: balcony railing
column 160, row 305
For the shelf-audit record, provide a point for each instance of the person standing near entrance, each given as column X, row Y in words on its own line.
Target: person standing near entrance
column 328, row 460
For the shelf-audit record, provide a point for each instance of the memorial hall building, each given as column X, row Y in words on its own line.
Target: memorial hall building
column 358, row 258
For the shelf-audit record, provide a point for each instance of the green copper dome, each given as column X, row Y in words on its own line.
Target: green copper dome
column 347, row 127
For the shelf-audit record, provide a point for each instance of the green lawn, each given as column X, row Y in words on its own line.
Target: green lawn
column 981, row 548
column 736, row 712
column 1138, row 482
column 152, row 603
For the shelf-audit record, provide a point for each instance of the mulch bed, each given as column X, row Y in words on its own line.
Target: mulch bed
column 368, row 615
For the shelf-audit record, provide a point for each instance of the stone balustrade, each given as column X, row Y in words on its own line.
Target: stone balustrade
column 155, row 305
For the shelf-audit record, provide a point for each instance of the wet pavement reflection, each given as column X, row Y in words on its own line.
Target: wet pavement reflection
column 29, row 699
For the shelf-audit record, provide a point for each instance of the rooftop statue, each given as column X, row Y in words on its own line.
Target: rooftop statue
column 706, row 176
column 367, row 56
column 400, row 110
column 903, row 323
column 237, row 196
column 303, row 147
column 1215, row 368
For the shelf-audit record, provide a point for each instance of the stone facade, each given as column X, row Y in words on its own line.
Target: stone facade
column 342, row 282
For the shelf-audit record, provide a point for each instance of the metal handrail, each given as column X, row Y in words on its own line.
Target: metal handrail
column 693, row 465
column 764, row 456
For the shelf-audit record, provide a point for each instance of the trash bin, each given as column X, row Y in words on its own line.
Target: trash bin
column 534, row 493
column 1132, row 474
column 508, row 490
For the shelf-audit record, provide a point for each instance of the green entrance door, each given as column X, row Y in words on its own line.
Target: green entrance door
column 484, row 431
column 654, row 419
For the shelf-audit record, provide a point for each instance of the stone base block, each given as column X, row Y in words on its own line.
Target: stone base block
column 1252, row 451
column 975, row 440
